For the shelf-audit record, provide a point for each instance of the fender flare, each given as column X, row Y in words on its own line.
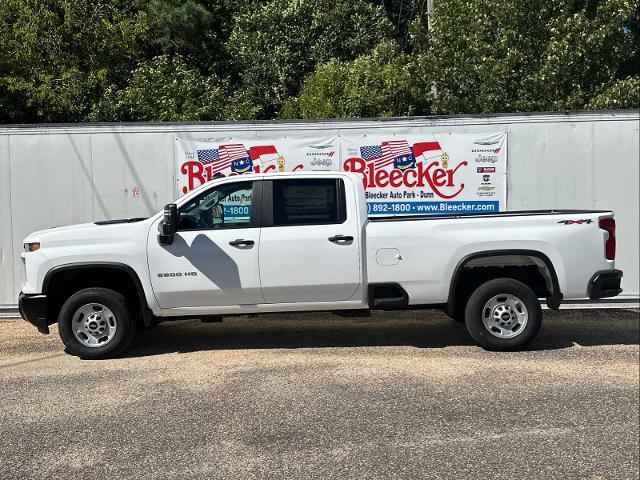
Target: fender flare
column 147, row 314
column 553, row 301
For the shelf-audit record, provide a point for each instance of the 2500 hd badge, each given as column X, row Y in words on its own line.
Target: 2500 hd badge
column 177, row 274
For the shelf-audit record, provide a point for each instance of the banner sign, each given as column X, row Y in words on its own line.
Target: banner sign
column 458, row 173
column 430, row 174
column 199, row 160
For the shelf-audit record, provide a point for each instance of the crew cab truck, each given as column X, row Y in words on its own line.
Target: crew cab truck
column 294, row 242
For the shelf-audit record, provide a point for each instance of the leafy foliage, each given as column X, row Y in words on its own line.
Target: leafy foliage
column 56, row 55
column 274, row 45
column 506, row 55
column 173, row 60
column 195, row 30
column 405, row 15
column 624, row 94
column 384, row 83
column 165, row 89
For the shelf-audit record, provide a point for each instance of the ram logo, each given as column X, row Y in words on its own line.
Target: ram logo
column 576, row 222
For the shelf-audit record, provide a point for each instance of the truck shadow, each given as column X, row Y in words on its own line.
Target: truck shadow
column 420, row 329
column 222, row 272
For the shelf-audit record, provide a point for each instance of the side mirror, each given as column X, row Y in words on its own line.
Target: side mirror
column 169, row 224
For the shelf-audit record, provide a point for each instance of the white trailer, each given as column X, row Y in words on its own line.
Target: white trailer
column 53, row 175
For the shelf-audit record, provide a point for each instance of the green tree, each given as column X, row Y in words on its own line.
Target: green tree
column 624, row 94
column 404, row 14
column 55, row 55
column 384, row 83
column 512, row 55
column 77, row 60
column 275, row 44
column 165, row 89
column 197, row 30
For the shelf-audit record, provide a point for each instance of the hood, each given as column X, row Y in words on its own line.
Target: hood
column 38, row 235
column 87, row 233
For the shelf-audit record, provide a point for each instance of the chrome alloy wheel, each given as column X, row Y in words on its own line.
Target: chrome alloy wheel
column 94, row 325
column 505, row 316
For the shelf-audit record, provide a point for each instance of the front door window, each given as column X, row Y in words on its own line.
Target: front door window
column 225, row 206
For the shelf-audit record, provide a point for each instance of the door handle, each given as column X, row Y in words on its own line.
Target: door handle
column 341, row 238
column 240, row 242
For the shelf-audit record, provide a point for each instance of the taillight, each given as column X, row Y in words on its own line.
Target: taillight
column 609, row 224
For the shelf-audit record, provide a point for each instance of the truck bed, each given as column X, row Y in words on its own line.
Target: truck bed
column 422, row 256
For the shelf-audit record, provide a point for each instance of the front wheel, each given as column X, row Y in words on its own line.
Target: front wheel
column 503, row 314
column 95, row 323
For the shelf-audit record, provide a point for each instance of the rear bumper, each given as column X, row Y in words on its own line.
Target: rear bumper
column 33, row 309
column 605, row 284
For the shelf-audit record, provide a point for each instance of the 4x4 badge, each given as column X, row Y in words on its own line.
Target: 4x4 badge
column 576, row 222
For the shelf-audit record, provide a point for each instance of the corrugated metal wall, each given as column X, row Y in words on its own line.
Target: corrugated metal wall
column 57, row 175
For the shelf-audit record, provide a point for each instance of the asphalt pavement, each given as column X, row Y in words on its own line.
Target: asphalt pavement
column 398, row 396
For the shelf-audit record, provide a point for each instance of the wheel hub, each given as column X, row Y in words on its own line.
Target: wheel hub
column 94, row 325
column 505, row 316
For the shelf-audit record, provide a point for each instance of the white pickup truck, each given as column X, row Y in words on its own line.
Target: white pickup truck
column 302, row 242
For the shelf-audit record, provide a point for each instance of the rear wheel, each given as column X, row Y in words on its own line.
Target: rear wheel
column 96, row 323
column 503, row 314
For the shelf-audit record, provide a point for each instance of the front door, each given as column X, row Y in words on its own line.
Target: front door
column 213, row 260
column 309, row 244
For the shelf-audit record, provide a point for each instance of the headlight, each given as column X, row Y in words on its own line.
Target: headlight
column 31, row 247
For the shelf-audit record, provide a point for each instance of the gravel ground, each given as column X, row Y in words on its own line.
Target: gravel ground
column 399, row 395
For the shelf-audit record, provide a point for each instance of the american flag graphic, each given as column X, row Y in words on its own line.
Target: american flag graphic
column 208, row 156
column 211, row 158
column 220, row 159
column 386, row 153
column 370, row 152
column 232, row 152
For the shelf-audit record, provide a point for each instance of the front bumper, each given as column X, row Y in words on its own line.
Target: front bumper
column 605, row 284
column 33, row 309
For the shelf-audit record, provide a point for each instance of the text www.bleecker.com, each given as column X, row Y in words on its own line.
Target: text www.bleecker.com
column 432, row 207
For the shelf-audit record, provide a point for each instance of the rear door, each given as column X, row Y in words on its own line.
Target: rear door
column 310, row 241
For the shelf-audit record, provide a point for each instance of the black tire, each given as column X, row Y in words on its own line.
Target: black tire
column 474, row 314
column 125, row 325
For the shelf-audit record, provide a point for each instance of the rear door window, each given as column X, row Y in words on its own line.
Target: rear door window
column 308, row 202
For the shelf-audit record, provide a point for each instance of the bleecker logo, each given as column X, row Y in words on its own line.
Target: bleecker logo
column 396, row 164
column 486, row 178
column 486, row 169
column 232, row 159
